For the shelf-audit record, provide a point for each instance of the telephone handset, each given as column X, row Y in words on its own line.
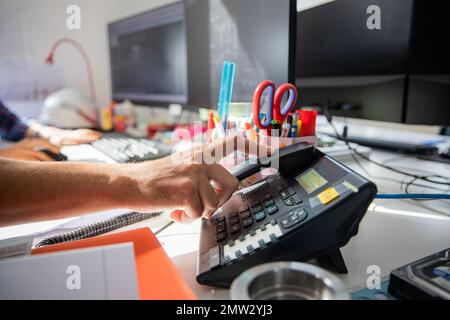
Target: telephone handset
column 309, row 209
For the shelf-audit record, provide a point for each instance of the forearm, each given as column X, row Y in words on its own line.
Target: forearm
column 32, row 191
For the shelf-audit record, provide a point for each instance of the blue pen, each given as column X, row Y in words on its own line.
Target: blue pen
column 226, row 92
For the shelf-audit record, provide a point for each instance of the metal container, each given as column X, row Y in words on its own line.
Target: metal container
column 288, row 281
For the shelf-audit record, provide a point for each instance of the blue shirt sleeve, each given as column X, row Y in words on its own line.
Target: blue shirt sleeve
column 11, row 127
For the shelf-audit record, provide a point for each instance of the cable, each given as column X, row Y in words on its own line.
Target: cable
column 415, row 196
column 418, row 177
column 164, row 227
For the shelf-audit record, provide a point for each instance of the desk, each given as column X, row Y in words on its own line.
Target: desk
column 392, row 233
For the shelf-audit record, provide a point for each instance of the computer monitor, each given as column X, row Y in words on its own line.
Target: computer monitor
column 399, row 72
column 257, row 35
column 148, row 57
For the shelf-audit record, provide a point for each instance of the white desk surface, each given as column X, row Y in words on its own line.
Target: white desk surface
column 392, row 233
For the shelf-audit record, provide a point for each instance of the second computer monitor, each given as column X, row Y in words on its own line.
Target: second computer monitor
column 148, row 57
column 257, row 35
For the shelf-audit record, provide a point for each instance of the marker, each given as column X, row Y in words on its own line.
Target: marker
column 299, row 128
column 226, row 92
column 210, row 126
column 276, row 127
column 220, row 132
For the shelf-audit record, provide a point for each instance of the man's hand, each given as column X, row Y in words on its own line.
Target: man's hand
column 61, row 137
column 193, row 188
column 28, row 149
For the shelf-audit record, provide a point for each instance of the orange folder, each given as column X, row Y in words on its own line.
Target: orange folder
column 158, row 279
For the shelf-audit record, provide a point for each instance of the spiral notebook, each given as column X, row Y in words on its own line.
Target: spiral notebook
column 97, row 228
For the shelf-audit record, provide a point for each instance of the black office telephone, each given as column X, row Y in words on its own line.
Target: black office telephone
column 309, row 209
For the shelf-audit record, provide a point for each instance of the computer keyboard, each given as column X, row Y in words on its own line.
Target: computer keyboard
column 123, row 149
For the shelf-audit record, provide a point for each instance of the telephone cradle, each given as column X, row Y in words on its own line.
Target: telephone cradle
column 308, row 210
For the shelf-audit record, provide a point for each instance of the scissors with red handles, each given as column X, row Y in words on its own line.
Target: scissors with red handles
column 274, row 97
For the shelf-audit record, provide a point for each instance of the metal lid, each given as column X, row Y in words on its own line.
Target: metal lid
column 288, row 281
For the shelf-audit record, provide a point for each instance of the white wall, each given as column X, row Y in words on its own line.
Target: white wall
column 32, row 26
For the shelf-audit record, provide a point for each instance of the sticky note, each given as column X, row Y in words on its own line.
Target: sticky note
column 328, row 195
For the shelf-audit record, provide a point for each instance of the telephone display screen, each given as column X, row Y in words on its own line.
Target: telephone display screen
column 311, row 180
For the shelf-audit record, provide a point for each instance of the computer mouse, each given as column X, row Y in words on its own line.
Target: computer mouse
column 54, row 156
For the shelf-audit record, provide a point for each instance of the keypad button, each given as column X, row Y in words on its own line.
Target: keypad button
column 220, row 227
column 234, row 221
column 245, row 214
column 243, row 209
column 268, row 196
column 260, row 216
column 261, row 243
column 269, row 203
column 272, row 209
column 231, row 243
column 255, row 203
column 247, row 222
column 273, row 237
column 291, row 191
column 214, row 257
column 297, row 199
column 233, row 214
column 284, row 195
column 257, row 209
column 279, row 188
column 226, row 260
column 219, row 218
column 263, row 227
column 250, row 248
column 292, row 218
column 238, row 253
column 221, row 236
column 289, row 202
column 235, row 228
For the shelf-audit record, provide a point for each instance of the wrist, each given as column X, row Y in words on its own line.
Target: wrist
column 124, row 190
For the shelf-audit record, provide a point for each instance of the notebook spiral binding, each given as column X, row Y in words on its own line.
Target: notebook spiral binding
column 98, row 228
